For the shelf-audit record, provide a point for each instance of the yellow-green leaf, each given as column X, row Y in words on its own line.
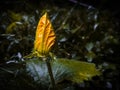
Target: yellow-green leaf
column 63, row 69
column 45, row 36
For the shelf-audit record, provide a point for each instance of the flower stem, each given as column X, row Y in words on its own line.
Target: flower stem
column 51, row 74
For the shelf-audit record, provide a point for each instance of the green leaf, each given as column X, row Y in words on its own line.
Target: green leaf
column 63, row 69
column 10, row 27
column 90, row 55
column 89, row 46
column 15, row 16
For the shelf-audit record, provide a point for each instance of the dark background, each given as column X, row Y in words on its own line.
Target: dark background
column 110, row 5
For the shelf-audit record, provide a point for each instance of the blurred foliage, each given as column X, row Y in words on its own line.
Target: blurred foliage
column 83, row 33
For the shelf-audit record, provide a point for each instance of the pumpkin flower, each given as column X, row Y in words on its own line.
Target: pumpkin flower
column 45, row 37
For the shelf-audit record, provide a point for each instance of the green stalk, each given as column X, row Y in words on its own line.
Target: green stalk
column 50, row 73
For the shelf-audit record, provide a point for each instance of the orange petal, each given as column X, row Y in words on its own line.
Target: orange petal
column 45, row 36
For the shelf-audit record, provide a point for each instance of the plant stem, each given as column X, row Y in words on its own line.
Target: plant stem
column 51, row 74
